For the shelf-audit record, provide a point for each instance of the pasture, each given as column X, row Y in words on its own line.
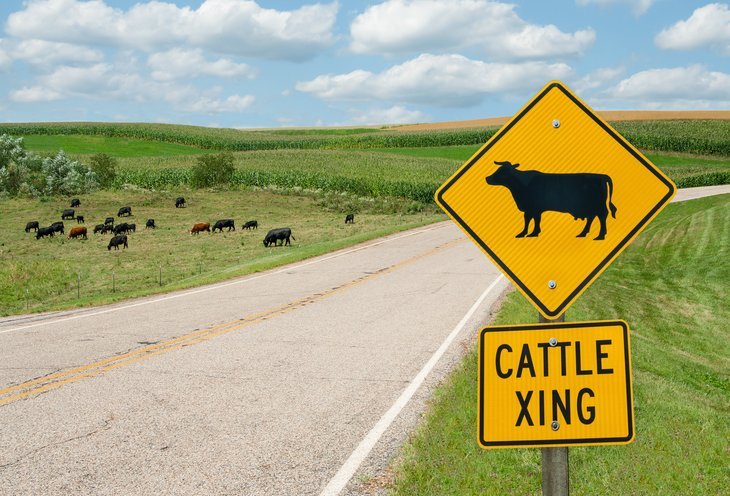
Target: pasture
column 50, row 268
column 670, row 286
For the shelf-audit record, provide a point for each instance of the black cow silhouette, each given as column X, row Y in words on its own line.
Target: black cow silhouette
column 582, row 195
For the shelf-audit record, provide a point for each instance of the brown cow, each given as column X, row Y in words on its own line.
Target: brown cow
column 76, row 232
column 201, row 226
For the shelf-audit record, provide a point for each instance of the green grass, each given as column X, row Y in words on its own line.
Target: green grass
column 671, row 286
column 117, row 147
column 48, row 268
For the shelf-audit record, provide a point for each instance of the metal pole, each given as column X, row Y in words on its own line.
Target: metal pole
column 26, row 298
column 78, row 286
column 160, row 275
column 555, row 475
column 114, row 283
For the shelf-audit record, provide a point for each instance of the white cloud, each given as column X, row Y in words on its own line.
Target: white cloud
column 597, row 78
column 396, row 114
column 239, row 27
column 707, row 26
column 450, row 80
column 403, row 26
column 679, row 87
column 638, row 7
column 46, row 53
column 119, row 83
column 32, row 94
column 5, row 59
column 179, row 63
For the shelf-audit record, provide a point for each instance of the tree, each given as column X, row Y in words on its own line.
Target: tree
column 105, row 168
column 213, row 169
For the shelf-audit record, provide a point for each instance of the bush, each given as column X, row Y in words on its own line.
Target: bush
column 66, row 176
column 211, row 170
column 105, row 168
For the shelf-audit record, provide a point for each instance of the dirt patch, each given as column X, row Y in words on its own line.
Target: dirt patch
column 609, row 115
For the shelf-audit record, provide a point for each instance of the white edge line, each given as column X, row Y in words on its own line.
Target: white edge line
column 218, row 285
column 345, row 473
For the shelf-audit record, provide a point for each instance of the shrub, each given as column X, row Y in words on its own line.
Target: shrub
column 211, row 170
column 66, row 176
column 105, row 168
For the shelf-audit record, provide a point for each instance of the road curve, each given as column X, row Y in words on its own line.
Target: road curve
column 276, row 383
column 261, row 385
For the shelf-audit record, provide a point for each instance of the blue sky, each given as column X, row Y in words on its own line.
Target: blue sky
column 240, row 63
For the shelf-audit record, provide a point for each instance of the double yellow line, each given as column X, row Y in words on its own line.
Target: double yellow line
column 58, row 379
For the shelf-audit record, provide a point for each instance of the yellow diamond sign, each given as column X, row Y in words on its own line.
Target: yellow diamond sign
column 554, row 197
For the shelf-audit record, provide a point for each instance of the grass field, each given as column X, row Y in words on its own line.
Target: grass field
column 48, row 268
column 671, row 286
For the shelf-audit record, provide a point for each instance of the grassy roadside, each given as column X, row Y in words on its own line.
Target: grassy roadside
column 671, row 287
column 48, row 268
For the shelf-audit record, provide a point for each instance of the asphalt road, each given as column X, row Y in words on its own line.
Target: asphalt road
column 300, row 380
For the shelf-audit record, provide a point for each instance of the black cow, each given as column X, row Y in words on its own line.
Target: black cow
column 75, row 203
column 131, row 227
column 79, row 219
column 68, row 214
column 150, row 224
column 224, row 223
column 107, row 229
column 109, row 221
column 251, row 224
column 31, row 225
column 275, row 235
column 179, row 202
column 582, row 195
column 116, row 241
column 44, row 231
column 120, row 228
column 99, row 228
column 350, row 219
column 58, row 227
column 124, row 211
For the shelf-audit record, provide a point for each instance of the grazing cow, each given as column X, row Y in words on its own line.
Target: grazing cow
column 120, row 228
column 58, row 227
column 79, row 219
column 68, row 214
column 131, row 227
column 116, row 241
column 107, row 229
column 179, row 202
column 582, row 195
column 44, row 231
column 75, row 203
column 124, row 211
column 275, row 235
column 350, row 219
column 251, row 224
column 150, row 224
column 224, row 223
column 75, row 232
column 109, row 221
column 201, row 226
column 99, row 228
column 31, row 225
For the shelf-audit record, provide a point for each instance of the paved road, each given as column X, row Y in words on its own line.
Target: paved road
column 277, row 383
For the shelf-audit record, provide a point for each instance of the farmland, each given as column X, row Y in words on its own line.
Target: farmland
column 387, row 177
column 43, row 274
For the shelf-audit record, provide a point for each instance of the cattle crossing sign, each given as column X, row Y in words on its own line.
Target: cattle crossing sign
column 558, row 384
column 554, row 197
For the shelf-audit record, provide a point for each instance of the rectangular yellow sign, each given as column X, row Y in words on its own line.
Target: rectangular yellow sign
column 556, row 384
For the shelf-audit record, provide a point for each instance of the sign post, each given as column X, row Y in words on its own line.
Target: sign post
column 552, row 199
column 555, row 468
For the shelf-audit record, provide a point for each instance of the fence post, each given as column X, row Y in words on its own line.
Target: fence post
column 78, row 286
column 114, row 282
column 26, row 299
column 555, row 475
column 160, row 275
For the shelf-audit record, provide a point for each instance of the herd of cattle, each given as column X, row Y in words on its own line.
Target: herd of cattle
column 275, row 237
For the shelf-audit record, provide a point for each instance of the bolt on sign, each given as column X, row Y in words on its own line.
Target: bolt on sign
column 558, row 384
column 554, row 197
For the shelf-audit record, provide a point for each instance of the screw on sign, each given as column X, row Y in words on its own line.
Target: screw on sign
column 554, row 197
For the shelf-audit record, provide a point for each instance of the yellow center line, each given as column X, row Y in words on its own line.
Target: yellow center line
column 58, row 379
